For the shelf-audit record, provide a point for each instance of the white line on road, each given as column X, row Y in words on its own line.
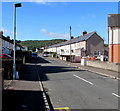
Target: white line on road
column 83, row 79
column 116, row 95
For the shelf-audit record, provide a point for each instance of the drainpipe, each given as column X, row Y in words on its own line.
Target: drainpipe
column 112, row 45
column 56, row 51
column 108, row 44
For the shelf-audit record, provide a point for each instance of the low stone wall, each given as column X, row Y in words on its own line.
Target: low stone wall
column 104, row 65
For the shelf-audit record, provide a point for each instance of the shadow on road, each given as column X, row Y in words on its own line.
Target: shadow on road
column 38, row 60
column 22, row 100
column 57, row 69
column 29, row 73
column 30, row 100
column 29, row 69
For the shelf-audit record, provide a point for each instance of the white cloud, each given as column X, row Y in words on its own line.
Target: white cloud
column 38, row 1
column 92, row 16
column 55, row 35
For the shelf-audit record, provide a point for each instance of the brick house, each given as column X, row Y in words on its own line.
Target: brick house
column 114, row 37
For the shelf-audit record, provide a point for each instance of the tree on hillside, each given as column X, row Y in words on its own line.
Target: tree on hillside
column 33, row 44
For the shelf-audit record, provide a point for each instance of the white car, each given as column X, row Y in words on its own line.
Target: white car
column 45, row 55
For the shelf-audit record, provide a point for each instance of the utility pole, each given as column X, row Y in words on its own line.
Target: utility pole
column 70, row 45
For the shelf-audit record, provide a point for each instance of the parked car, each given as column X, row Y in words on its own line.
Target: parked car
column 45, row 55
column 34, row 55
column 5, row 56
column 103, row 58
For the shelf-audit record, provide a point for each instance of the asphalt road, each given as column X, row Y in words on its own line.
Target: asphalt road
column 78, row 89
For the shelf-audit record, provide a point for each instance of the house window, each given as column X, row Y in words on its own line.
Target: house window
column 97, row 53
column 67, row 51
column 62, row 50
column 72, row 51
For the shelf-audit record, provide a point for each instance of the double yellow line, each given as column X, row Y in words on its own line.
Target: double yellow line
column 62, row 109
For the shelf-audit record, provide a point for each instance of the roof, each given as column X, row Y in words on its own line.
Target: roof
column 74, row 40
column 113, row 20
column 9, row 40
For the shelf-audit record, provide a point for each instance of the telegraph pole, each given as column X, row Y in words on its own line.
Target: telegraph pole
column 70, row 45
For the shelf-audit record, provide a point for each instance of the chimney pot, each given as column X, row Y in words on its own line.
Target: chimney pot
column 8, row 37
column 72, row 37
column 1, row 32
column 84, row 33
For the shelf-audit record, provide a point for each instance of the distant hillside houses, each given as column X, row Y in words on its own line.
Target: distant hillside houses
column 7, row 44
column 88, row 44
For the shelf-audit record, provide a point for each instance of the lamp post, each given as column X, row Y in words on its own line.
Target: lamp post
column 70, row 44
column 14, row 46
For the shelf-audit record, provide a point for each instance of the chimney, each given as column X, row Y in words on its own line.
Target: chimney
column 84, row 33
column 1, row 32
column 72, row 37
column 8, row 37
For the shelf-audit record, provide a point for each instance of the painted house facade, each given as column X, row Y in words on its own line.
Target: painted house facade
column 7, row 44
column 114, row 37
column 88, row 44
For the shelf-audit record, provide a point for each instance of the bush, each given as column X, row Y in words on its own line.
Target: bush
column 18, row 53
column 27, row 55
column 54, row 54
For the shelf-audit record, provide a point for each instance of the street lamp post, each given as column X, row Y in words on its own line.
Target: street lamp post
column 14, row 46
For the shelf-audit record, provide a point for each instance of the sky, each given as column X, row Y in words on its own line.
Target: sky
column 52, row 20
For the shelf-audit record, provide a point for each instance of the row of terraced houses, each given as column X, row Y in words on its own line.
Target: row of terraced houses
column 88, row 44
column 7, row 44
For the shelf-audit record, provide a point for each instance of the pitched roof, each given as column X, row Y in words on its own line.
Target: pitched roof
column 85, row 37
column 9, row 40
column 74, row 40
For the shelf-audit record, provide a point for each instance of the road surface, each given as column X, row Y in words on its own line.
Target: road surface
column 78, row 89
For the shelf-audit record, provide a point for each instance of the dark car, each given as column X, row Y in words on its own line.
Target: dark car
column 34, row 55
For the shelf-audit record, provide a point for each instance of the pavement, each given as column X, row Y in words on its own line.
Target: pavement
column 103, row 72
column 24, row 94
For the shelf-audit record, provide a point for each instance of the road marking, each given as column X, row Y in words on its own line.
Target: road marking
column 83, row 79
column 62, row 109
column 41, row 88
column 116, row 95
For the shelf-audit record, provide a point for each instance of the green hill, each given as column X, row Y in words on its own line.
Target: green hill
column 33, row 44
